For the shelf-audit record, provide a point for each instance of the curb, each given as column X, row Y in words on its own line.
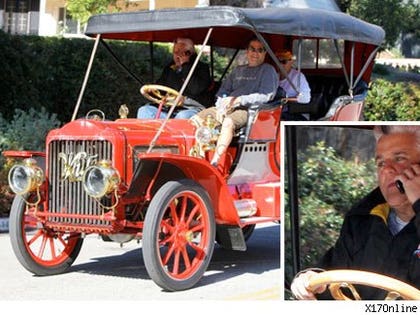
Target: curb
column 4, row 224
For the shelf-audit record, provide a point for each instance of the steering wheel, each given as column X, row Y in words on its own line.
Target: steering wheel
column 95, row 114
column 153, row 92
column 338, row 279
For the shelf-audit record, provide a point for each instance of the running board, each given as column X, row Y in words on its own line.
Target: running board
column 256, row 220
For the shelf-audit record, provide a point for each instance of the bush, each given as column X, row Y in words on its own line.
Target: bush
column 319, row 228
column 26, row 131
column 328, row 186
column 393, row 101
column 325, row 176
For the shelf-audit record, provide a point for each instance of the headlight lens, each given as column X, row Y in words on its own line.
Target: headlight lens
column 203, row 135
column 99, row 180
column 26, row 177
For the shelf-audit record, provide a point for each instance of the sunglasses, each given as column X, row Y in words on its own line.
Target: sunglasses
column 257, row 50
column 285, row 61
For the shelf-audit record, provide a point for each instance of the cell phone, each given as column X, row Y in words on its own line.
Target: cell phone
column 400, row 186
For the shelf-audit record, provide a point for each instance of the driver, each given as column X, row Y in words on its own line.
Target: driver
column 174, row 75
column 381, row 233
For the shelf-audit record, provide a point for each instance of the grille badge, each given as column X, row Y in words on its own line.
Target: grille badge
column 74, row 165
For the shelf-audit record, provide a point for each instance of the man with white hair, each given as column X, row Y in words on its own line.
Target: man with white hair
column 381, row 233
column 174, row 75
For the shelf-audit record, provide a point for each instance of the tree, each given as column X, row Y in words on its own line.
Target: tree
column 394, row 16
column 411, row 21
column 81, row 10
column 389, row 14
column 343, row 4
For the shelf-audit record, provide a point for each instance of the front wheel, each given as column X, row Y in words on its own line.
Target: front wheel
column 178, row 235
column 40, row 250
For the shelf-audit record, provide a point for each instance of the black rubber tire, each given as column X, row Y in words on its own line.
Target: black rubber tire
column 247, row 231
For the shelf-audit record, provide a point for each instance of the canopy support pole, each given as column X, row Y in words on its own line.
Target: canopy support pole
column 82, row 90
column 365, row 66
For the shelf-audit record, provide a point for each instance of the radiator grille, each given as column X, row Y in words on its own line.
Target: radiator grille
column 68, row 203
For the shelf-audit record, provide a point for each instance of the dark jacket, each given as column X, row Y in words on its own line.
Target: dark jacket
column 198, row 86
column 365, row 243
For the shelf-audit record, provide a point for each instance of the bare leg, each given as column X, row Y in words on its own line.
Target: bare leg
column 226, row 135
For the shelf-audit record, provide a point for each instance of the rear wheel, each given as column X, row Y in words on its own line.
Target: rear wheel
column 39, row 249
column 178, row 235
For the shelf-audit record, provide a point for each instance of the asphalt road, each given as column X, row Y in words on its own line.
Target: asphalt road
column 104, row 271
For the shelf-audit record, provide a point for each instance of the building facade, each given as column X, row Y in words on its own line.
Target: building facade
column 50, row 17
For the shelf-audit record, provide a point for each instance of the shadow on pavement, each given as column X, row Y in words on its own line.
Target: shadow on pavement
column 262, row 254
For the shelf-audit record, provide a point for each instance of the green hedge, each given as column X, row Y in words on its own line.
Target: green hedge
column 393, row 101
column 328, row 186
column 48, row 72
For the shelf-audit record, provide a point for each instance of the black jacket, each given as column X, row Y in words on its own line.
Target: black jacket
column 365, row 243
column 198, row 86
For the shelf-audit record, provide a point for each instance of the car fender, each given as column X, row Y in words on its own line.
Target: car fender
column 201, row 171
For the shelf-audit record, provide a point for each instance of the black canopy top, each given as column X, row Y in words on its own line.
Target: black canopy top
column 232, row 26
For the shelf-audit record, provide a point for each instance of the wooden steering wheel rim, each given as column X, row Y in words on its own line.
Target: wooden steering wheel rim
column 376, row 280
column 171, row 95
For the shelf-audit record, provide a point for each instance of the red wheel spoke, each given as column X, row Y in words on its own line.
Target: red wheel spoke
column 42, row 248
column 200, row 251
column 174, row 214
column 168, row 254
column 166, row 225
column 175, row 270
column 192, row 213
column 168, row 231
column 197, row 228
column 168, row 239
column 186, row 258
column 52, row 247
column 183, row 208
column 35, row 237
column 62, row 241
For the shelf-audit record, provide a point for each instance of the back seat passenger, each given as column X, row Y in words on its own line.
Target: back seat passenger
column 324, row 90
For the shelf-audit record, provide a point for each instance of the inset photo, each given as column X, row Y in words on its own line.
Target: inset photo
column 352, row 211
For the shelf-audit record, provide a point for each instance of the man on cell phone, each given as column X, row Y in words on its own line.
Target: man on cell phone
column 381, row 233
column 196, row 96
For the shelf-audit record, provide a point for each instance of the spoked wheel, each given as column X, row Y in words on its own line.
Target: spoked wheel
column 178, row 235
column 40, row 250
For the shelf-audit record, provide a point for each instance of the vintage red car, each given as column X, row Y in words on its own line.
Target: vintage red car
column 151, row 179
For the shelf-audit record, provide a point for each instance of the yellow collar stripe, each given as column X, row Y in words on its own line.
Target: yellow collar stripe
column 381, row 211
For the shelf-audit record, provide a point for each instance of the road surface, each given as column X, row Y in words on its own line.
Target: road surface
column 104, row 271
